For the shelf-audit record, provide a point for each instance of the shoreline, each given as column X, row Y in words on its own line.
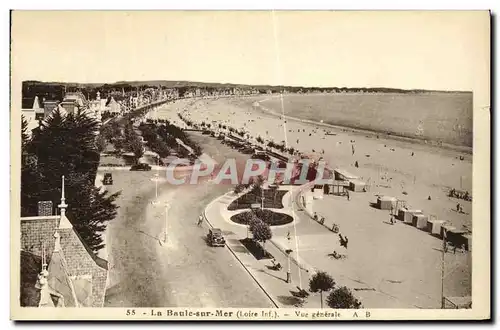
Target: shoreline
column 371, row 133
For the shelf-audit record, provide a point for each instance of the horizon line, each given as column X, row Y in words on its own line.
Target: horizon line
column 240, row 84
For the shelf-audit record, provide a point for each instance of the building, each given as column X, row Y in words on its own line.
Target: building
column 57, row 268
column 113, row 106
column 49, row 107
column 97, row 107
column 73, row 101
column 33, row 114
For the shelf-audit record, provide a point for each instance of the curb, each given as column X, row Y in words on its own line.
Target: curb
column 236, row 257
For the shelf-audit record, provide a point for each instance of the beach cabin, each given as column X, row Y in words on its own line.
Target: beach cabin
column 457, row 237
column 445, row 229
column 406, row 215
column 386, row 202
column 318, row 191
column 434, row 226
column 357, row 185
column 335, row 187
column 419, row 220
column 468, row 246
column 343, row 175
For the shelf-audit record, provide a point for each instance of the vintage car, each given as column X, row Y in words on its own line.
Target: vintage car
column 141, row 167
column 108, row 179
column 215, row 238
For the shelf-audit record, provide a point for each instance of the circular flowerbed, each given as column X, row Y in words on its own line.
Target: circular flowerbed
column 268, row 216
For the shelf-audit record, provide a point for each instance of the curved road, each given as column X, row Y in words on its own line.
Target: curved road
column 184, row 272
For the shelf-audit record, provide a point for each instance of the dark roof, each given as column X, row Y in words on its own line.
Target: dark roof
column 31, row 265
column 99, row 261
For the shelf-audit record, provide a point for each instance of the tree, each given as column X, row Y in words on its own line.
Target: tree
column 137, row 148
column 65, row 145
column 261, row 231
column 320, row 282
column 250, row 220
column 342, row 298
column 101, row 143
column 238, row 188
column 24, row 132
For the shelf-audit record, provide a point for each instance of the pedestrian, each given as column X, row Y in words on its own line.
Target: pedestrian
column 392, row 220
column 200, row 220
column 348, row 196
column 458, row 207
column 356, row 164
column 315, row 216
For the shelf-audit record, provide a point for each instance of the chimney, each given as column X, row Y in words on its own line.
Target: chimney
column 45, row 208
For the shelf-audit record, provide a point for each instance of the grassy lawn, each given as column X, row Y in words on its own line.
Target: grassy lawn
column 272, row 199
column 268, row 216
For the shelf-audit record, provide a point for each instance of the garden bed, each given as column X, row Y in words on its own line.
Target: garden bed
column 256, row 249
column 268, row 216
column 273, row 198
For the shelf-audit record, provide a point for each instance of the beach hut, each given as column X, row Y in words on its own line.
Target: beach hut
column 318, row 191
column 468, row 246
column 386, row 202
column 335, row 187
column 457, row 237
column 446, row 228
column 406, row 215
column 357, row 185
column 419, row 220
column 343, row 175
column 434, row 226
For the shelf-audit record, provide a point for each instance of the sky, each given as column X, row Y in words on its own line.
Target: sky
column 427, row 50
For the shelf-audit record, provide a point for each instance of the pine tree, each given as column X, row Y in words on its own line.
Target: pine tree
column 65, row 145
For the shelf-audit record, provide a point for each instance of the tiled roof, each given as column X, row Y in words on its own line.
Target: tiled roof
column 35, row 230
column 59, row 280
column 75, row 272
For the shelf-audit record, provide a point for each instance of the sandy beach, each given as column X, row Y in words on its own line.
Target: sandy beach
column 408, row 171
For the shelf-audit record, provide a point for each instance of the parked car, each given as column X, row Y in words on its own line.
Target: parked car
column 108, row 179
column 215, row 238
column 140, row 167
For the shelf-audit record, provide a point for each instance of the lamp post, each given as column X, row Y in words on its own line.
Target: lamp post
column 288, row 252
column 442, row 269
column 167, row 207
column 289, row 271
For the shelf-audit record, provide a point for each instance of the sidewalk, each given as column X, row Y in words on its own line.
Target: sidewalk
column 272, row 282
column 311, row 243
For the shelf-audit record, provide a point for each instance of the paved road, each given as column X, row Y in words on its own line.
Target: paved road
column 184, row 272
